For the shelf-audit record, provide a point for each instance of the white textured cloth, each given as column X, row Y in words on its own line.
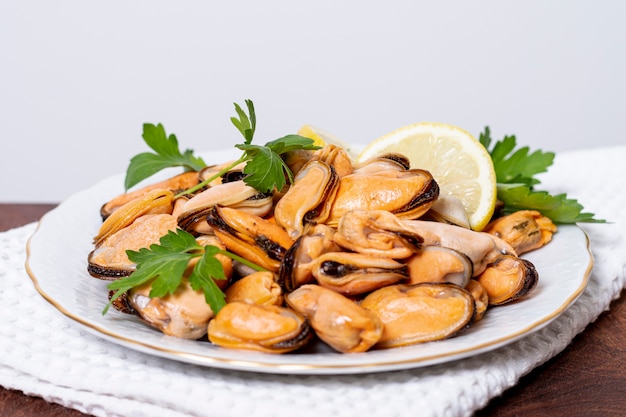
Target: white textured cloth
column 46, row 354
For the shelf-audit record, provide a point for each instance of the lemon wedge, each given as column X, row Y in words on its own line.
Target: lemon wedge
column 322, row 138
column 459, row 163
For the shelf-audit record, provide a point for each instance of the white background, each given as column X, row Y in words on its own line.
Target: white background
column 79, row 78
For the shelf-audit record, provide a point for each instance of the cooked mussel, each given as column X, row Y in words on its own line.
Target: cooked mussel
column 296, row 267
column 256, row 288
column 376, row 233
column 259, row 240
column 439, row 264
column 508, row 278
column 481, row 248
column 337, row 320
column 234, row 194
column 174, row 184
column 420, row 312
column 184, row 313
column 407, row 194
column 308, row 199
column 336, row 157
column 353, row 273
column 525, row 230
column 384, row 162
column 481, row 298
column 265, row 328
column 157, row 201
column 109, row 259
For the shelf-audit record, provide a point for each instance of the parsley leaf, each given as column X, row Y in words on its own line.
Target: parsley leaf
column 201, row 278
column 165, row 264
column 246, row 125
column 265, row 169
column 515, row 176
column 518, row 166
column 167, row 154
column 558, row 207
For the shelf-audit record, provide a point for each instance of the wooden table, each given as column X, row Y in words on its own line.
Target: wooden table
column 587, row 379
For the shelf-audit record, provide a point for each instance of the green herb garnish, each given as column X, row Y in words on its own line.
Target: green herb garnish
column 516, row 181
column 167, row 154
column 165, row 264
column 265, row 169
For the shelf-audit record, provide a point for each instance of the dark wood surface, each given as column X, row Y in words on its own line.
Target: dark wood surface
column 587, row 379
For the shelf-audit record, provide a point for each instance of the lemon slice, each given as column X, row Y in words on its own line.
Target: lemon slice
column 459, row 163
column 322, row 138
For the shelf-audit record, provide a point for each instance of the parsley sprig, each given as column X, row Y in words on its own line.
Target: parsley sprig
column 165, row 265
column 167, row 154
column 265, row 169
column 516, row 181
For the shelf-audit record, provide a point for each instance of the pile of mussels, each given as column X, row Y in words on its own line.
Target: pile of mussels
column 358, row 256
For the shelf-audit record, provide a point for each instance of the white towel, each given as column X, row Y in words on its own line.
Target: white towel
column 46, row 354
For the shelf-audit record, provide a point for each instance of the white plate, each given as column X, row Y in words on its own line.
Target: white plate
column 57, row 264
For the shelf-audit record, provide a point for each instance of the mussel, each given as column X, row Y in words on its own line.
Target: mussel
column 407, row 194
column 157, row 201
column 481, row 248
column 234, row 194
column 256, row 288
column 296, row 267
column 376, row 233
column 508, row 278
column 353, row 273
column 109, row 259
column 439, row 264
column 174, row 184
column 481, row 298
column 420, row 313
column 265, row 328
column 525, row 230
column 257, row 239
column 184, row 314
column 337, row 320
column 309, row 198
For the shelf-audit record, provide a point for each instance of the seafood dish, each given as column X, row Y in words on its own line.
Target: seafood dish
column 357, row 256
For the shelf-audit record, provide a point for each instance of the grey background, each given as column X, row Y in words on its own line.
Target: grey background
column 79, row 78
